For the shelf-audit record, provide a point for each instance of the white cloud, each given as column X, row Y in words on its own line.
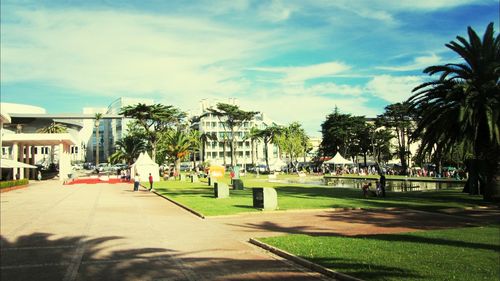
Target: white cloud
column 115, row 53
column 304, row 73
column 275, row 11
column 393, row 88
column 419, row 63
column 310, row 111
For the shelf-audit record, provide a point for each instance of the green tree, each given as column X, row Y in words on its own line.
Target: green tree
column 462, row 107
column 156, row 120
column 128, row 149
column 269, row 135
column 53, row 128
column 398, row 118
column 176, row 144
column 340, row 134
column 293, row 141
column 232, row 117
column 382, row 145
column 253, row 136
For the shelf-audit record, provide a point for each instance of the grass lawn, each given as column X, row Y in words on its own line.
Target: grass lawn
column 199, row 196
column 471, row 253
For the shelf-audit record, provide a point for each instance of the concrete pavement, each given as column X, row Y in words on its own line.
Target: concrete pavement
column 108, row 232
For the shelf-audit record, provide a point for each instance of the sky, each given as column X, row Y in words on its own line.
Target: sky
column 292, row 60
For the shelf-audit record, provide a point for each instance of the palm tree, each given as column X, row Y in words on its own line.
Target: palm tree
column 128, row 149
column 232, row 117
column 204, row 138
column 53, row 128
column 253, row 135
column 176, row 144
column 269, row 135
column 463, row 107
column 195, row 139
column 97, row 120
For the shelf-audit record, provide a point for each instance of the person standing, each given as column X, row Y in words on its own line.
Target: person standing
column 150, row 182
column 382, row 184
column 39, row 176
column 136, row 182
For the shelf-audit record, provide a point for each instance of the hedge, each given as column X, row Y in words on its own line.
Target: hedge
column 5, row 184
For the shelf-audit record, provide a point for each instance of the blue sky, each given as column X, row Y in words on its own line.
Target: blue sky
column 293, row 60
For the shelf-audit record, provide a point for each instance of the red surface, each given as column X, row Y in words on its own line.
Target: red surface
column 94, row 181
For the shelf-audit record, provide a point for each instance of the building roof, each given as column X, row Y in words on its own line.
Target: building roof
column 39, row 139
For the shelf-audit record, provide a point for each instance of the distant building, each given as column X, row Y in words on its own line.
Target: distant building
column 110, row 129
column 214, row 149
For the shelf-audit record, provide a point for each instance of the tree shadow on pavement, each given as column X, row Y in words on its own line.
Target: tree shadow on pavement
column 44, row 256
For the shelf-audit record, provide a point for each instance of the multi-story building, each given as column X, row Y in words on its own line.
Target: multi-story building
column 110, row 129
column 214, row 149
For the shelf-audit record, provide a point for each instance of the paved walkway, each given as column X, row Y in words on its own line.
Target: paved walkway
column 108, row 232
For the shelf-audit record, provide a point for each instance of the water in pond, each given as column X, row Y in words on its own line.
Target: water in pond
column 392, row 185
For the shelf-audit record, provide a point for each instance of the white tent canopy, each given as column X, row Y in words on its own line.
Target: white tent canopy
column 8, row 163
column 144, row 166
column 338, row 159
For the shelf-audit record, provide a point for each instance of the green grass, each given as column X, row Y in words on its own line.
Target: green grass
column 199, row 196
column 471, row 253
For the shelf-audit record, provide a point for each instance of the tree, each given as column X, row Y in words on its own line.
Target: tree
column 382, row 145
column 195, row 139
column 462, row 107
column 128, row 149
column 205, row 137
column 232, row 117
column 155, row 119
column 269, row 135
column 253, row 135
column 97, row 121
column 176, row 144
column 398, row 118
column 53, row 128
column 340, row 134
column 293, row 141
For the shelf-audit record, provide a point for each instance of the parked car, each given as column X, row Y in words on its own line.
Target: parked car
column 102, row 167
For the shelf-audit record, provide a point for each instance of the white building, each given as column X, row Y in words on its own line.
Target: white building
column 22, row 144
column 214, row 149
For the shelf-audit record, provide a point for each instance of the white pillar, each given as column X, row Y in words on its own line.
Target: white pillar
column 64, row 161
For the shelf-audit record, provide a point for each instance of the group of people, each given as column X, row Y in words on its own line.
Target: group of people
column 379, row 188
column 137, row 182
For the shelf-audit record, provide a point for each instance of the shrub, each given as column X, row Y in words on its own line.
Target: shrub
column 5, row 184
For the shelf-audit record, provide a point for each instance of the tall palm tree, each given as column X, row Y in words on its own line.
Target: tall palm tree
column 204, row 138
column 97, row 121
column 269, row 135
column 128, row 149
column 463, row 107
column 177, row 145
column 195, row 139
column 253, row 135
column 53, row 128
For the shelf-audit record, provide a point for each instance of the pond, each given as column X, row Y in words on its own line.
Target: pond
column 397, row 185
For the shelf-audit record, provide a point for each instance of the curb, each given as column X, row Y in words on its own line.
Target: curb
column 200, row 215
column 305, row 263
column 12, row 188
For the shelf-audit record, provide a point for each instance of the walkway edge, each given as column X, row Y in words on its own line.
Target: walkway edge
column 305, row 263
column 200, row 215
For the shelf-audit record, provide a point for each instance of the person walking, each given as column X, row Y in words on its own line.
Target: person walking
column 136, row 182
column 382, row 184
column 150, row 182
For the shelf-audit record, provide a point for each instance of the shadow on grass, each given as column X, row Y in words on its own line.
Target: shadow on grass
column 434, row 241
column 40, row 256
column 365, row 271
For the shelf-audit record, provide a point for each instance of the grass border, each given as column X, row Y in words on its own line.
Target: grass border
column 305, row 263
column 198, row 214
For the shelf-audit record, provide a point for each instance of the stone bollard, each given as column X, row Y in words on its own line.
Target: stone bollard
column 182, row 177
column 194, row 178
column 238, row 184
column 221, row 190
column 265, row 198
